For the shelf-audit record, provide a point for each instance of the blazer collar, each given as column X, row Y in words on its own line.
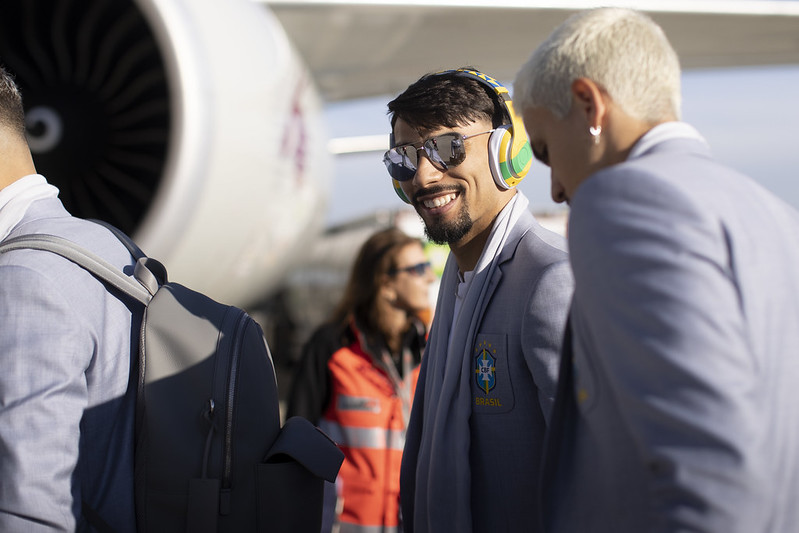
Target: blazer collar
column 662, row 135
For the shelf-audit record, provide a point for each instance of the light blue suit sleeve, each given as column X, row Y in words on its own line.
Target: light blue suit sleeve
column 657, row 287
column 542, row 330
column 44, row 352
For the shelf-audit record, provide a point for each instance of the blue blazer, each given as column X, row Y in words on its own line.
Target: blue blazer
column 66, row 408
column 520, row 324
column 677, row 409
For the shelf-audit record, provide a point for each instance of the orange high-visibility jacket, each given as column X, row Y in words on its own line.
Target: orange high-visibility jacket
column 365, row 417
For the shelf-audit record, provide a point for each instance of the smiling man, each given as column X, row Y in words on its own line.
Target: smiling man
column 487, row 381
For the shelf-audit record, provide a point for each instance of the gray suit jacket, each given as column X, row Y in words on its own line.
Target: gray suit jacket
column 680, row 410
column 66, row 411
column 521, row 324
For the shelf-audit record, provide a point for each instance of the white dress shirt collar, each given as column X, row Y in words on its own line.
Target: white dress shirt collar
column 15, row 199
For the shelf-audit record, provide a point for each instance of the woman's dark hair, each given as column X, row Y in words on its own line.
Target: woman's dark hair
column 449, row 100
column 375, row 259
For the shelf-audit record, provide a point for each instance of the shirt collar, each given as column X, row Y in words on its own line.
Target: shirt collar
column 664, row 132
column 15, row 199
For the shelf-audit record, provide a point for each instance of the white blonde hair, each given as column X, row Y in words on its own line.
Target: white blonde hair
column 622, row 50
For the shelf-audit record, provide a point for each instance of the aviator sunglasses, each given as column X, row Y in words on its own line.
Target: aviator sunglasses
column 418, row 269
column 444, row 151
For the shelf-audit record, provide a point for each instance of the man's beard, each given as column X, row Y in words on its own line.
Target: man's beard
column 449, row 232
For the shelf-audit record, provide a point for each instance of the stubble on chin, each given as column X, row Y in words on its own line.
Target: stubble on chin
column 442, row 231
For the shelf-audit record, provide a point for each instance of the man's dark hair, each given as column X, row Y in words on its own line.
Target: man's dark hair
column 448, row 100
column 12, row 115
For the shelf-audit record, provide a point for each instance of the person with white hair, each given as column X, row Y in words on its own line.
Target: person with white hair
column 676, row 406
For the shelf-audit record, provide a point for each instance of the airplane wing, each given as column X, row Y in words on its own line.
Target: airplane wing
column 378, row 47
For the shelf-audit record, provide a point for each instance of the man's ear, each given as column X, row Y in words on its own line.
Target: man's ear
column 590, row 101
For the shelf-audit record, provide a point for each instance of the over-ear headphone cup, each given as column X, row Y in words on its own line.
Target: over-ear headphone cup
column 498, row 147
column 507, row 173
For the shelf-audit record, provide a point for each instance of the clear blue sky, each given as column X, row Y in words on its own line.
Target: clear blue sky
column 749, row 116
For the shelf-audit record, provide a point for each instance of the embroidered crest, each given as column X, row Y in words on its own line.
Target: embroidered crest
column 485, row 367
column 492, row 388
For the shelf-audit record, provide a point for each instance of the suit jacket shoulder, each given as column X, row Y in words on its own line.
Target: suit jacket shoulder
column 65, row 350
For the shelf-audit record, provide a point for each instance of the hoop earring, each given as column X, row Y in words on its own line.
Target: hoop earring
column 595, row 133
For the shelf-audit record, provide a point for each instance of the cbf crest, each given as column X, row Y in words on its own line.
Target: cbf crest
column 485, row 369
column 492, row 391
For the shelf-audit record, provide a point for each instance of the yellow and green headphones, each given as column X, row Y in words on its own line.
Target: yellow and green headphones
column 509, row 153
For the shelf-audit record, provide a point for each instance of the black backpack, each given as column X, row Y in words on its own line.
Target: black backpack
column 211, row 454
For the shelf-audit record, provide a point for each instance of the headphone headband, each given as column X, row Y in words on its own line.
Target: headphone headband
column 520, row 156
column 479, row 76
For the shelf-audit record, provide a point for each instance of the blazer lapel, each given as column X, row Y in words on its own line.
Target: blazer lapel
column 506, row 253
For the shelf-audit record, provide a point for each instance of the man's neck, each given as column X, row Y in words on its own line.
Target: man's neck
column 468, row 250
column 17, row 162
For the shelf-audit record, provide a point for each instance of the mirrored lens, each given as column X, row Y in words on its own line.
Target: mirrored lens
column 444, row 151
column 399, row 165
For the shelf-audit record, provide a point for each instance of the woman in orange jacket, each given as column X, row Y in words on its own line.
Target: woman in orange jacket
column 357, row 376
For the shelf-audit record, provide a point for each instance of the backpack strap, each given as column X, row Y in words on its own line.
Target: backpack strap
column 99, row 267
column 147, row 271
column 150, row 272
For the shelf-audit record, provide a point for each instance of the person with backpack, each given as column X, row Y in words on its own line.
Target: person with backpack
column 66, row 400
column 357, row 375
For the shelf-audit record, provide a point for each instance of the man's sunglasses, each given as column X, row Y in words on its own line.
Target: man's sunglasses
column 444, row 151
column 419, row 269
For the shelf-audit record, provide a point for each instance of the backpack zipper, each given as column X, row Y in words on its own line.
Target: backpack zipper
column 224, row 507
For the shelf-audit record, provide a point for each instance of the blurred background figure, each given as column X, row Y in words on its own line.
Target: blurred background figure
column 357, row 375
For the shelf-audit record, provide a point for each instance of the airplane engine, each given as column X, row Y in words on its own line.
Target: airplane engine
column 190, row 124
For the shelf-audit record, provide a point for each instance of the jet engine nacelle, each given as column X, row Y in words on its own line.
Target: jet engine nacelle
column 190, row 124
